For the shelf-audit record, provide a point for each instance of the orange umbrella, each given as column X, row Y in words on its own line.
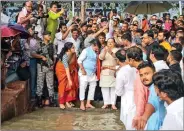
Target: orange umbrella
column 8, row 32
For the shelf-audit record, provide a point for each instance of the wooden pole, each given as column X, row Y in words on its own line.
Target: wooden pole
column 82, row 11
column 73, row 8
column 180, row 7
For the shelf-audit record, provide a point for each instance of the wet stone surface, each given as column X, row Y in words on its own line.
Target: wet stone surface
column 70, row 119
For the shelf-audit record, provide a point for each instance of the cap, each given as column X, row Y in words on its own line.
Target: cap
column 104, row 19
column 46, row 33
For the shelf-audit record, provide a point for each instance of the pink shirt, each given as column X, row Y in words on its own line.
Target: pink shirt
column 168, row 25
column 22, row 15
column 141, row 94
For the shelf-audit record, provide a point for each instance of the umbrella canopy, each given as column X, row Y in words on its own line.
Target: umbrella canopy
column 147, row 7
column 24, row 32
column 8, row 32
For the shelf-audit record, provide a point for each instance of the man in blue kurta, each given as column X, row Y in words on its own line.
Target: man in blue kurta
column 155, row 110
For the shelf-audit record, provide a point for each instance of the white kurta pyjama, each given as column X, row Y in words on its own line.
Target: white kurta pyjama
column 124, row 87
column 84, row 80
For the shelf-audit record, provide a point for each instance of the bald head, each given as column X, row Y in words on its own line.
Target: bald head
column 29, row 6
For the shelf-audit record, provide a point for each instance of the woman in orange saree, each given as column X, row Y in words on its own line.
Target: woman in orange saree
column 67, row 74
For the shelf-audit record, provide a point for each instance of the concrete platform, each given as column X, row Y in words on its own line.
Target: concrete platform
column 53, row 118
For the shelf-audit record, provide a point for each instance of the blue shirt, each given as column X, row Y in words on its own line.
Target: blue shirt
column 156, row 119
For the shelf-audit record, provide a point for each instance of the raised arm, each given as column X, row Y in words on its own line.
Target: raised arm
column 57, row 15
column 101, row 30
column 103, row 53
column 67, row 32
column 22, row 19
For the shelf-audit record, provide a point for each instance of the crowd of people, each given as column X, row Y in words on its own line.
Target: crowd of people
column 139, row 61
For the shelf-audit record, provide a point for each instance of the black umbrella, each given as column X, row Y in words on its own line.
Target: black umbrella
column 147, row 7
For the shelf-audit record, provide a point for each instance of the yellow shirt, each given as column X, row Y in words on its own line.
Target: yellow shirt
column 166, row 45
column 52, row 23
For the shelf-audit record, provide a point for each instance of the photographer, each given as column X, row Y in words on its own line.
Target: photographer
column 16, row 59
column 33, row 47
column 39, row 24
column 25, row 15
column 52, row 21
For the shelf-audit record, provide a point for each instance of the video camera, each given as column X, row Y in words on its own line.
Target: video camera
column 35, row 15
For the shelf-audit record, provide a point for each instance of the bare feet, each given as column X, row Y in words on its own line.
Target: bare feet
column 46, row 102
column 62, row 106
column 114, row 107
column 68, row 105
column 82, row 107
column 89, row 106
column 105, row 106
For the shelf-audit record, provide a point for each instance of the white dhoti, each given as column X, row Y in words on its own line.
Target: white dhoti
column 128, row 109
column 84, row 81
column 109, row 95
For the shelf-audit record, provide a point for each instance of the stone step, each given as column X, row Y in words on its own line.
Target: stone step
column 97, row 104
column 14, row 102
column 77, row 109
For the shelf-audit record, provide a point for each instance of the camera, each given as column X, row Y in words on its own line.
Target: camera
column 35, row 15
column 45, row 15
column 35, row 32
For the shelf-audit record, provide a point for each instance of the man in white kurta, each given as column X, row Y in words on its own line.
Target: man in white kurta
column 125, row 88
column 169, row 87
column 87, row 74
column 174, row 117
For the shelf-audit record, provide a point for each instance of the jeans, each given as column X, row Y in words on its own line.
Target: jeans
column 11, row 76
column 33, row 70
